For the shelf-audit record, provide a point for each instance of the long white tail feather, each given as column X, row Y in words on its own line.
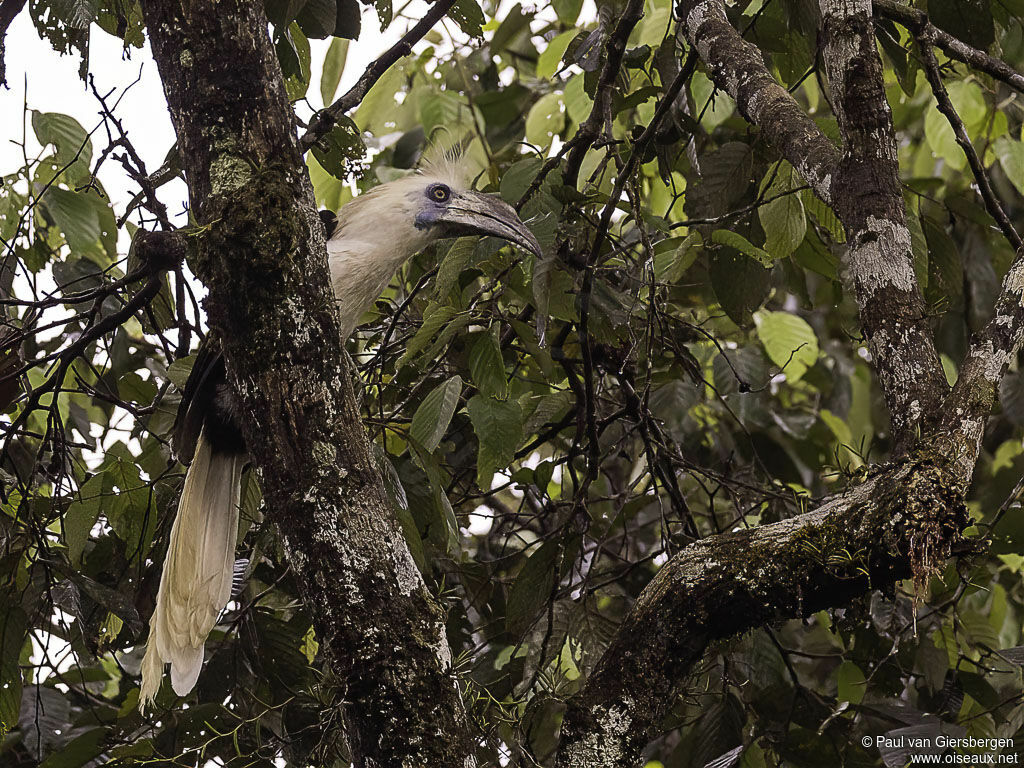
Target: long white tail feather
column 195, row 584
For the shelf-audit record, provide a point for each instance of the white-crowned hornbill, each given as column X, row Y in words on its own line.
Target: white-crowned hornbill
column 372, row 237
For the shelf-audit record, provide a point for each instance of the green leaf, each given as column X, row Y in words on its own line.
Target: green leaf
column 517, row 179
column 531, row 590
column 432, row 418
column 714, row 106
column 178, row 371
column 458, row 257
column 79, row 751
column 850, row 683
column 76, row 217
column 384, row 12
column 740, row 283
column 782, row 219
column 744, row 246
column 13, row 626
column 379, row 102
column 942, row 140
column 789, row 341
column 341, row 150
column 81, row 516
column 317, row 18
column 486, row 366
column 1011, row 156
column 545, row 119
column 468, row 15
column 69, row 139
column 551, row 57
column 568, row 10
column 967, row 20
column 498, row 425
column 295, row 57
column 578, row 103
column 334, row 66
column 435, row 317
column 674, row 255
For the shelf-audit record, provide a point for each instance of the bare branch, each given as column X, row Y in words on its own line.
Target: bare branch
column 321, row 125
column 928, row 34
column 992, row 204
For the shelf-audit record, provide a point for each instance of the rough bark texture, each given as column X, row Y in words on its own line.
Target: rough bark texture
column 967, row 408
column 900, row 523
column 736, row 67
column 261, row 255
column 862, row 185
column 869, row 202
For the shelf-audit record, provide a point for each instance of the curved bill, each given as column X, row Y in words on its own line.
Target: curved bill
column 476, row 213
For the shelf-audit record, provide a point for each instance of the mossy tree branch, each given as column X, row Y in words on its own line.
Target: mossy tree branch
column 902, row 522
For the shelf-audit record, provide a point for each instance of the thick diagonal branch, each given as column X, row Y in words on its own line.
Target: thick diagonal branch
column 902, row 522
column 737, row 67
column 261, row 254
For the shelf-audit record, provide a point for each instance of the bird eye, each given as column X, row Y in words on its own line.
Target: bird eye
column 439, row 193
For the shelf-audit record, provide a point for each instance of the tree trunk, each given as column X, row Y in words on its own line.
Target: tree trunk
column 261, row 254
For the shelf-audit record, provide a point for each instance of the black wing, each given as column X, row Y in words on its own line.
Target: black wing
column 207, row 402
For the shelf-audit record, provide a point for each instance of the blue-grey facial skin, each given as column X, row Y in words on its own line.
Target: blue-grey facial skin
column 474, row 213
column 431, row 209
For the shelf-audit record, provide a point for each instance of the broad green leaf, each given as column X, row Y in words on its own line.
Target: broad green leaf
column 76, row 217
column 294, row 53
column 967, row 20
column 545, row 119
column 486, row 366
column 81, row 516
column 713, row 106
column 13, row 626
column 578, row 103
column 334, row 66
column 468, row 15
column 1011, row 157
column 318, row 18
column 551, row 57
column 789, row 341
column 942, row 140
column 568, row 10
column 850, row 683
column 68, row 137
column 80, row 751
column 458, row 258
column 340, row 151
column 782, row 218
column 969, row 103
column 435, row 317
column 672, row 257
column 744, row 246
column 379, row 103
column 435, row 413
column 531, row 590
column 740, row 283
column 498, row 425
column 517, row 179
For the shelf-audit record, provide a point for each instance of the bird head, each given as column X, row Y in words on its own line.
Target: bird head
column 448, row 211
column 376, row 232
column 433, row 203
